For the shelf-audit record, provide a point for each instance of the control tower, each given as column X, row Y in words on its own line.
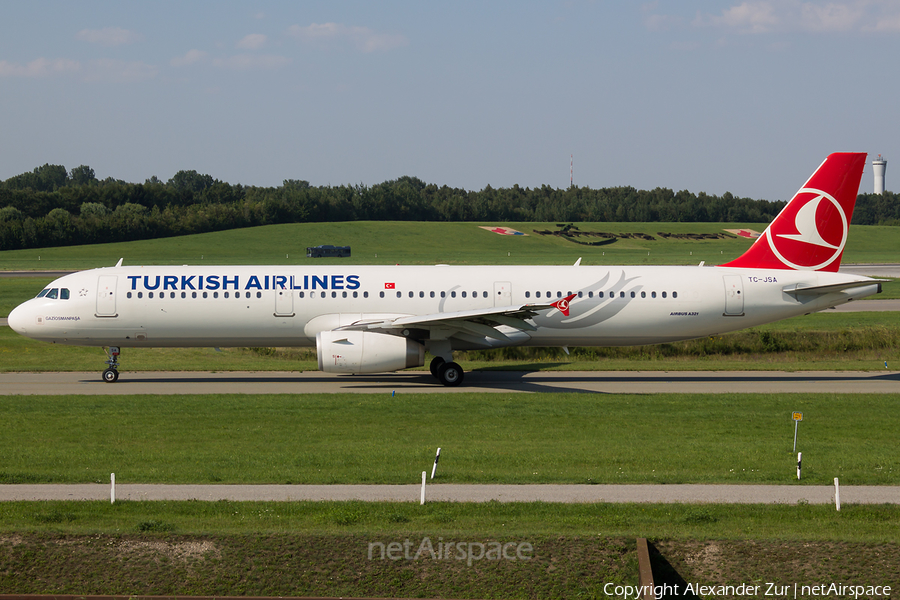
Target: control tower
column 879, row 166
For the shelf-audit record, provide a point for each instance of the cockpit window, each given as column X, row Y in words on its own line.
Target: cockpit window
column 64, row 294
column 43, row 293
column 54, row 294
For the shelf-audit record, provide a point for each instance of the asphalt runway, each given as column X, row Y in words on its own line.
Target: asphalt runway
column 608, row 382
column 446, row 492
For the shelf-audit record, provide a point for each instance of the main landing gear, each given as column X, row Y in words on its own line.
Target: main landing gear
column 111, row 375
column 448, row 373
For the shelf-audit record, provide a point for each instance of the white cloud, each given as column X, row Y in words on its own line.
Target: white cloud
column 190, row 58
column 786, row 16
column 109, row 69
column 109, row 36
column 247, row 62
column 831, row 17
column 253, row 41
column 39, row 67
column 747, row 17
column 363, row 38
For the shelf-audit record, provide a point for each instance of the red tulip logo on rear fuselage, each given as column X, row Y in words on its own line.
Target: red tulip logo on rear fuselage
column 807, row 235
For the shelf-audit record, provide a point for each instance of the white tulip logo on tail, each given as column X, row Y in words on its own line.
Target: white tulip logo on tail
column 814, row 237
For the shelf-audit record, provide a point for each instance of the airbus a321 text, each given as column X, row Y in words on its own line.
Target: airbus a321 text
column 373, row 319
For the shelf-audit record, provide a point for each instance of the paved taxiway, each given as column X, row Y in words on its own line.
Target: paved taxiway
column 446, row 492
column 610, row 382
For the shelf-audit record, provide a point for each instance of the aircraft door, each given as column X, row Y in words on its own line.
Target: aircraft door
column 502, row 293
column 734, row 296
column 106, row 296
column 284, row 302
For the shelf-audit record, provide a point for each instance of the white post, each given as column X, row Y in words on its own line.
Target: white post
column 437, row 457
column 422, row 499
column 837, row 495
column 799, row 460
column 112, row 488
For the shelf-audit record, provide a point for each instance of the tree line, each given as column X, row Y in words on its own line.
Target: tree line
column 52, row 206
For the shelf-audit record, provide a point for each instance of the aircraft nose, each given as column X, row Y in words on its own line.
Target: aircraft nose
column 18, row 320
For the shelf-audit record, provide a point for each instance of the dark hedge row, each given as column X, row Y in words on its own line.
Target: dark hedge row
column 54, row 207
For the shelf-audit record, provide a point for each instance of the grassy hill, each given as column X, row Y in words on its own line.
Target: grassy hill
column 430, row 243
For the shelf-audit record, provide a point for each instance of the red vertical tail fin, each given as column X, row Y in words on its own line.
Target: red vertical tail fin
column 811, row 231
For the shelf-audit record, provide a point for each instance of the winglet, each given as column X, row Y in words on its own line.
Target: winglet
column 810, row 233
column 563, row 304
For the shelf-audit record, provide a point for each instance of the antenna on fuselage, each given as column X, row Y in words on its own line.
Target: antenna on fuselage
column 119, row 264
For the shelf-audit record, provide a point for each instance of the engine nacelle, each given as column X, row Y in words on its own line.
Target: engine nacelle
column 366, row 352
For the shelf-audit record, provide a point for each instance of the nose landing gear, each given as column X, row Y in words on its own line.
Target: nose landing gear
column 111, row 375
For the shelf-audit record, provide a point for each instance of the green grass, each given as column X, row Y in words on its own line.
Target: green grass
column 521, row 438
column 430, row 243
column 857, row 523
column 322, row 548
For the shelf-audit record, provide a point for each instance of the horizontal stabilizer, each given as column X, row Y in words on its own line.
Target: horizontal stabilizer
column 818, row 290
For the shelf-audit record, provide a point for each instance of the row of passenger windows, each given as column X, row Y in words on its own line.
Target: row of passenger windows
column 601, row 294
column 64, row 294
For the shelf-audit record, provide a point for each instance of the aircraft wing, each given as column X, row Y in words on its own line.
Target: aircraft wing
column 818, row 290
column 480, row 322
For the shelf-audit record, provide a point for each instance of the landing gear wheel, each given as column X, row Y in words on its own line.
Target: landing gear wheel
column 450, row 374
column 435, row 366
column 111, row 374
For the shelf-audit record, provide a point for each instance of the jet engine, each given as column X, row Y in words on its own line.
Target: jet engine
column 366, row 352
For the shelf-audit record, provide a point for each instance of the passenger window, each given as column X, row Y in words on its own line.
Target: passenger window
column 643, row 294
column 453, row 294
column 184, row 294
column 431, row 294
column 140, row 294
column 411, row 294
column 365, row 294
column 421, row 294
column 205, row 295
column 381, row 294
column 215, row 294
column 399, row 295
column 128, row 295
column 591, row 294
column 621, row 294
column 355, row 294
column 599, row 294
column 258, row 294
column 664, row 294
column 344, row 294
column 443, row 294
column 64, row 294
column 528, row 294
column 632, row 294
column 194, row 294
column 226, row 294
column 334, row 294
column 559, row 294
column 580, row 294
column 463, row 294
column 150, row 294
column 549, row 294
column 653, row 294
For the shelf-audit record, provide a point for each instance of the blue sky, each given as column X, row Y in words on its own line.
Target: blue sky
column 747, row 97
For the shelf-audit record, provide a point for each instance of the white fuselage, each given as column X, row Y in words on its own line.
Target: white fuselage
column 287, row 306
